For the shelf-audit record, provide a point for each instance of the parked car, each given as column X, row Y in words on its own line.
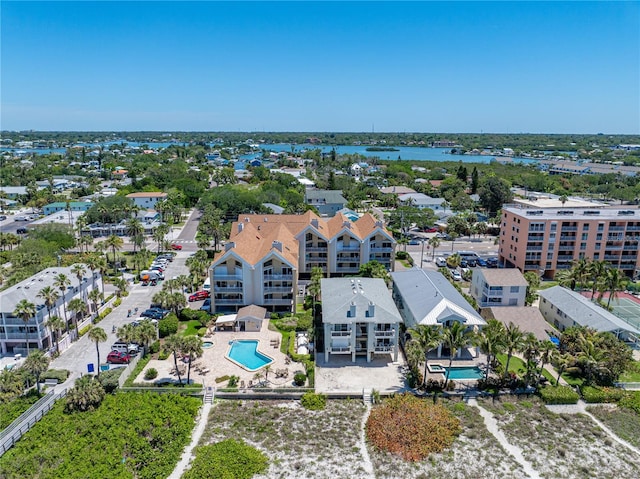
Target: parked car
column 441, row 262
column 199, row 296
column 430, row 229
column 482, row 263
column 118, row 357
column 154, row 313
column 456, row 275
column 165, row 256
column 21, row 231
column 443, row 236
column 175, row 246
column 206, row 306
column 21, row 218
column 492, row 262
column 3, row 217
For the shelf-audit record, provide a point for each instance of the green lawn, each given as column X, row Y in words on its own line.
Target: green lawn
column 192, row 327
column 632, row 375
column 516, row 365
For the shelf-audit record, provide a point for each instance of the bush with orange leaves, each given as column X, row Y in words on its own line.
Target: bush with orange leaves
column 411, row 428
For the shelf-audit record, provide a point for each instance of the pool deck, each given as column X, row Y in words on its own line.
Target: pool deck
column 214, row 364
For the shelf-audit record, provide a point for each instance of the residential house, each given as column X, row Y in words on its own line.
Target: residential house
column 396, row 190
column 422, row 201
column 119, row 174
column 267, row 254
column 147, row 200
column 327, row 202
column 527, row 318
column 428, row 298
column 359, row 318
column 498, row 287
column 565, row 308
column 12, row 329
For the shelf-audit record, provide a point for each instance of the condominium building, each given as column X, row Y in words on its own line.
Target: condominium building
column 547, row 236
column 267, row 254
column 12, row 328
column 359, row 318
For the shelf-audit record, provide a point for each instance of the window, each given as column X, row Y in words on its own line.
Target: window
column 600, row 226
column 585, row 227
column 514, row 289
column 598, row 246
column 583, row 246
column 513, row 302
column 554, row 226
column 585, row 236
column 599, row 237
column 596, row 255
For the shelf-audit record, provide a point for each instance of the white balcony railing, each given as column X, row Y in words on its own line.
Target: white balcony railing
column 335, row 334
column 385, row 334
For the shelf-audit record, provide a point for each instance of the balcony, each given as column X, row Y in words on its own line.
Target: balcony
column 616, row 228
column 384, row 334
column 534, row 248
column 278, row 289
column 277, row 301
column 569, row 228
column 567, row 237
column 629, row 257
column 340, row 334
column 349, row 247
column 277, row 277
column 347, row 269
column 340, row 350
column 217, row 275
column 20, row 336
column 630, row 247
column 380, row 249
column 566, row 248
column 384, row 349
column 228, row 301
column 628, row 266
column 633, row 228
column 315, row 249
column 227, row 289
column 535, row 238
column 612, row 257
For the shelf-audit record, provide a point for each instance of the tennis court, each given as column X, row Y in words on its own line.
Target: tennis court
column 627, row 309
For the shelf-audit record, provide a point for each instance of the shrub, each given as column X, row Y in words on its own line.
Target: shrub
column 202, row 332
column 227, row 459
column 631, row 401
column 402, row 255
column 299, row 379
column 597, row 395
column 411, row 428
column 162, row 355
column 84, row 330
column 155, row 347
column 117, row 302
column 233, row 381
column 558, row 395
column 221, row 379
column 414, row 378
column 188, row 314
column 275, row 316
column 103, row 314
column 151, row 373
column 313, row 401
column 168, row 325
column 60, row 374
column 109, row 379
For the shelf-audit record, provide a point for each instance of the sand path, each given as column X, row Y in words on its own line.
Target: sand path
column 187, row 455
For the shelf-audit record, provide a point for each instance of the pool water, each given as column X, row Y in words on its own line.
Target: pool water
column 466, row 372
column 207, row 344
column 246, row 354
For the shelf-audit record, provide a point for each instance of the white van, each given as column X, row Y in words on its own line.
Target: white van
column 441, row 262
column 125, row 348
column 207, row 285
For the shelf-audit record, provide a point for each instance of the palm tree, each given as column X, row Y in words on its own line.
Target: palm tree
column 597, row 271
column 162, row 298
column 267, row 370
column 454, row 261
column 134, row 230
column 78, row 307
column 85, row 395
column 50, row 297
column 581, row 271
column 589, row 357
column 55, row 323
column 94, row 296
column 115, row 243
column 314, row 286
column 146, row 332
column 173, row 345
column 455, row 337
column 79, row 270
column 127, row 333
column 615, row 282
column 25, row 311
column 434, row 242
column 177, row 302
column 513, row 341
column 159, row 233
column 97, row 335
column 547, row 349
column 191, row 346
column 121, row 285
column 563, row 199
column 562, row 362
column 427, row 337
column 36, row 363
column 62, row 282
column 490, row 342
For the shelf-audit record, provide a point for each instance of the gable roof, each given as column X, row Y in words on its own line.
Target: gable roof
column 432, row 299
column 584, row 312
column 339, row 294
column 322, row 197
column 252, row 311
column 147, row 194
column 253, row 244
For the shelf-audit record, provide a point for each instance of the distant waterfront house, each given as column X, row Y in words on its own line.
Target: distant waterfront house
column 565, row 308
column 327, row 202
column 147, row 200
column 428, row 298
column 359, row 318
column 422, row 201
column 63, row 206
column 498, row 287
column 12, row 329
column 396, row 190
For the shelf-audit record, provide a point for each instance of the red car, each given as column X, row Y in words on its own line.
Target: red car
column 118, row 357
column 199, row 296
column 431, row 230
column 176, row 246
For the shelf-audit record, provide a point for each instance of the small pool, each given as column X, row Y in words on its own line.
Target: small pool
column 466, row 372
column 245, row 354
column 207, row 344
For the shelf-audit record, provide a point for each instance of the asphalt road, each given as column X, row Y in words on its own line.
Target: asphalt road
column 83, row 351
column 484, row 247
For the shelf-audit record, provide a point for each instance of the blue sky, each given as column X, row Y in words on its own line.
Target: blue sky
column 329, row 66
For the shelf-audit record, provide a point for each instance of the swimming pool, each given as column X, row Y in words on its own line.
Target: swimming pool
column 466, row 372
column 245, row 354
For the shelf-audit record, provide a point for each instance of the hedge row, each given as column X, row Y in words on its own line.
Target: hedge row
column 599, row 395
column 558, row 395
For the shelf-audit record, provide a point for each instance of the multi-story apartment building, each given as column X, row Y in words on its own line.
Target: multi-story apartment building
column 359, row 318
column 547, row 236
column 267, row 254
column 12, row 329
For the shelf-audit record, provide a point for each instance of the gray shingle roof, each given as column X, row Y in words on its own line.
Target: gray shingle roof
column 338, row 294
column 432, row 298
column 583, row 311
column 502, row 276
column 325, row 196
